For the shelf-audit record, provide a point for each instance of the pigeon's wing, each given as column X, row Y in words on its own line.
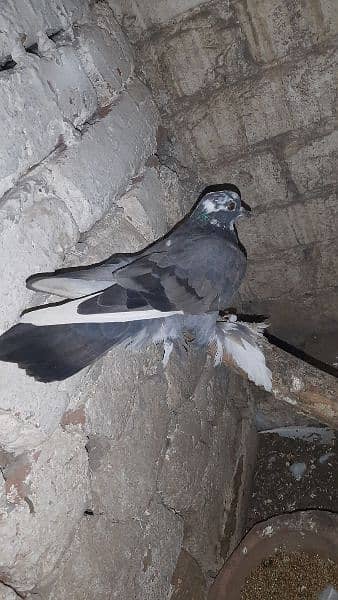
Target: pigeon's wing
column 190, row 274
column 186, row 276
column 195, row 273
column 82, row 281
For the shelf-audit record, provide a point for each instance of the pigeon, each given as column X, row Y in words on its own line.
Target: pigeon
column 176, row 285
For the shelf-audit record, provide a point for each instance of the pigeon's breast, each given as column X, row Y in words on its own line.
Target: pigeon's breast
column 231, row 275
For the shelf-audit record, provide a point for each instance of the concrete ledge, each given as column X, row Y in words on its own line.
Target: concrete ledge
column 24, row 20
column 106, row 57
column 88, row 175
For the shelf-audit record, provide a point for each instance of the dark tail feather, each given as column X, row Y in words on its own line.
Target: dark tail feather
column 55, row 352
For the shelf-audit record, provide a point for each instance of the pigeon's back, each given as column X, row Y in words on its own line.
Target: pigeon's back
column 211, row 259
column 196, row 269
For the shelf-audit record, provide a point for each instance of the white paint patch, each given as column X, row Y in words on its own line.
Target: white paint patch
column 66, row 314
column 168, row 243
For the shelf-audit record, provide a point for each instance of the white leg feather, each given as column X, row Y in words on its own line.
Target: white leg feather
column 168, row 348
column 240, row 341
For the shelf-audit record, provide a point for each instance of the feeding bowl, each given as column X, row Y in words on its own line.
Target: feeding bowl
column 310, row 531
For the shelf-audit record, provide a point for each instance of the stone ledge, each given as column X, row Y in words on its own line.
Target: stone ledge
column 26, row 19
column 46, row 98
column 106, row 58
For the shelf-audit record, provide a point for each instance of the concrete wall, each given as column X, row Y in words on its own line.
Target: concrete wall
column 246, row 90
column 110, row 480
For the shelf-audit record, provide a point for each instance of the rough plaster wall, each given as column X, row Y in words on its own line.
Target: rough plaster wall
column 108, row 478
column 246, row 90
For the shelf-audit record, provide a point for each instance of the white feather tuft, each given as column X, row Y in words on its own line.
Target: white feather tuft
column 219, row 351
column 168, row 348
column 239, row 341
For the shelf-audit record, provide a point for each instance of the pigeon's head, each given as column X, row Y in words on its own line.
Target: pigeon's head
column 220, row 208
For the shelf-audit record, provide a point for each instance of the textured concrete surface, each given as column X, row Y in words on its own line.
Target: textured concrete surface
column 46, row 493
column 246, row 91
column 86, row 506
column 128, row 480
column 6, row 593
column 22, row 23
column 132, row 559
column 78, row 129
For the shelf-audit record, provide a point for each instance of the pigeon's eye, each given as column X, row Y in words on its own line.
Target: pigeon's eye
column 231, row 205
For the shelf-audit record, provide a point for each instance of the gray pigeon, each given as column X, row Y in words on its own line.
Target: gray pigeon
column 178, row 284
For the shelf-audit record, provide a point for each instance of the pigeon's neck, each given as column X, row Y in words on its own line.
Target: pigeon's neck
column 203, row 221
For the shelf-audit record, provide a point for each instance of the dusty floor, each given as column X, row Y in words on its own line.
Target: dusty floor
column 296, row 470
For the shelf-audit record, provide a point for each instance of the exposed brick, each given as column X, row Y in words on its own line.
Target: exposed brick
column 39, row 527
column 65, row 77
column 316, row 219
column 275, row 28
column 267, row 232
column 314, row 165
column 74, row 417
column 260, row 178
column 143, row 206
column 35, row 230
column 106, row 57
column 31, row 124
column 116, row 145
column 297, row 224
column 269, row 278
column 329, row 15
column 287, row 274
column 136, row 16
column 211, row 131
column 201, row 55
column 285, row 100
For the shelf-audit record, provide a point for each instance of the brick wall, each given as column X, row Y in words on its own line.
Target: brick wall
column 105, row 477
column 246, row 90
